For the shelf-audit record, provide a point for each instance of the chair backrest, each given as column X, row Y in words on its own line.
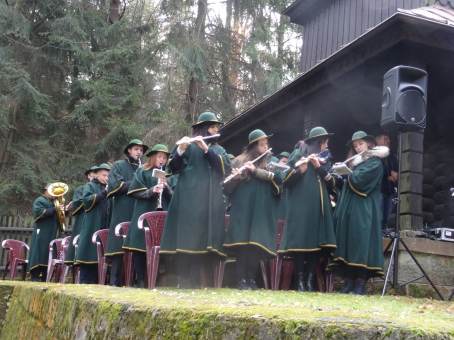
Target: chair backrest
column 155, row 221
column 121, row 229
column 65, row 244
column 100, row 238
column 56, row 249
column 280, row 224
column 17, row 249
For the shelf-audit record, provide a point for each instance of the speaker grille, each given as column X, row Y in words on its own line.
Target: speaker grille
column 411, row 107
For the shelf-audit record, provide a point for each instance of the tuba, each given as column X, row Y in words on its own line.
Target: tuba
column 58, row 190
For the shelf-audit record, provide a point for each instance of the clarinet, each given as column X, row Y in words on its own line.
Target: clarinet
column 159, row 207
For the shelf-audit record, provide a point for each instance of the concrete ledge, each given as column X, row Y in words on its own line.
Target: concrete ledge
column 53, row 311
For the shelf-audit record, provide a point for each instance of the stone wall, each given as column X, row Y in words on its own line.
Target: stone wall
column 52, row 311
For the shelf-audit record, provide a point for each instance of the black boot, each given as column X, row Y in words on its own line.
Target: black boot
column 252, row 284
column 348, row 286
column 360, row 286
column 310, row 286
column 300, row 284
column 243, row 284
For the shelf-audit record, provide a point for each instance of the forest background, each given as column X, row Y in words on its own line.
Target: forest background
column 79, row 78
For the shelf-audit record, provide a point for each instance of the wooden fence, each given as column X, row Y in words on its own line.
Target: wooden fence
column 15, row 227
column 19, row 228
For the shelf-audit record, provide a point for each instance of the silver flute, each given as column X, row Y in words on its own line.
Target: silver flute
column 191, row 140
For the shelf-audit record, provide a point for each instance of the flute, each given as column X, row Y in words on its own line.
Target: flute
column 194, row 139
column 306, row 160
column 320, row 157
column 279, row 166
column 242, row 168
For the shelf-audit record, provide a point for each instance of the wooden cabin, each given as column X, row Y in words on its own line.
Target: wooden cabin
column 348, row 46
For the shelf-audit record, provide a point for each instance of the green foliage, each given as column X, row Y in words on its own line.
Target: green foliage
column 75, row 86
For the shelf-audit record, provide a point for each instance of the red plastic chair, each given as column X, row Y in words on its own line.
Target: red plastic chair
column 155, row 221
column 99, row 238
column 16, row 256
column 219, row 269
column 121, row 230
column 280, row 266
column 76, row 269
column 56, row 259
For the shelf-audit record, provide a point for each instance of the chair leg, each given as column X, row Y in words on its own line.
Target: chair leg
column 24, row 271
column 50, row 271
column 13, row 268
column 287, row 274
column 264, row 275
column 76, row 274
column 128, row 268
column 272, row 266
column 329, row 282
column 154, row 268
column 277, row 271
column 5, row 272
column 219, row 273
column 320, row 278
column 64, row 272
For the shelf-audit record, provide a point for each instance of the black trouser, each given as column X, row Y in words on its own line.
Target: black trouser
column 139, row 260
column 306, row 262
column 194, row 270
column 116, row 270
column 88, row 273
column 247, row 262
column 353, row 273
column 38, row 274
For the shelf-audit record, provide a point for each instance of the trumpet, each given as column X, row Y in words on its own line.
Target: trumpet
column 242, row 168
column 58, row 190
column 194, row 139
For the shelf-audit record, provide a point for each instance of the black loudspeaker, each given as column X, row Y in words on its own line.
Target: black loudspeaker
column 404, row 98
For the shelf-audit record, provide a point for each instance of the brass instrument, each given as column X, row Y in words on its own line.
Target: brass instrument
column 58, row 190
column 242, row 168
column 194, row 139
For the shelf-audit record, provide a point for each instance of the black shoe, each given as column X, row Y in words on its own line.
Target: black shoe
column 348, row 287
column 252, row 284
column 310, row 282
column 360, row 287
column 243, row 284
column 300, row 284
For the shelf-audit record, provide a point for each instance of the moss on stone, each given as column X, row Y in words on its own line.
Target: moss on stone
column 46, row 311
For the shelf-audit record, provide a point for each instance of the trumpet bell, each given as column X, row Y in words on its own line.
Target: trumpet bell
column 57, row 189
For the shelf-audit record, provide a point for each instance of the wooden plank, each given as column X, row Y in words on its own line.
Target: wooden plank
column 330, row 45
column 322, row 40
column 337, row 25
column 308, row 38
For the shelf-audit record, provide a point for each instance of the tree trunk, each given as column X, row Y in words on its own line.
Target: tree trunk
column 194, row 82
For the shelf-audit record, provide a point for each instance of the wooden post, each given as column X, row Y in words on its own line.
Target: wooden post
column 410, row 181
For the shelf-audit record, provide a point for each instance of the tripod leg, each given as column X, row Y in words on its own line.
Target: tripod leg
column 395, row 243
column 451, row 295
column 421, row 269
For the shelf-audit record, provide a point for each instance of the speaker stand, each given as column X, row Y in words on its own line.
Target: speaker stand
column 397, row 240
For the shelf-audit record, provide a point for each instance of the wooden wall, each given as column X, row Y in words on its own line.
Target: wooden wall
column 342, row 22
